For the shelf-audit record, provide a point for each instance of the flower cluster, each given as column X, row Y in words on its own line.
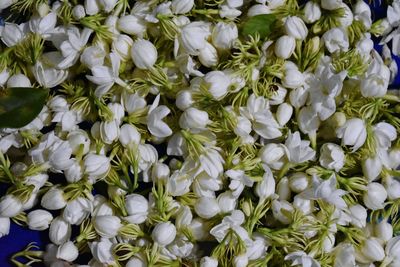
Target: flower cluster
column 203, row 133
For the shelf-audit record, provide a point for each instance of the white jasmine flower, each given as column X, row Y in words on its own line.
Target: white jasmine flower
column 193, row 37
column 212, row 162
column 208, row 262
column 376, row 80
column 224, row 35
column 93, row 56
column 300, row 258
column 92, row 7
column 74, row 173
column 327, row 191
column 43, row 26
column 392, row 250
column 182, row 7
column 47, row 76
column 372, row 168
column 299, row 150
column 193, row 118
column 231, row 222
column 78, row 12
column 332, row 156
column 238, row 181
column 336, row 39
column 155, row 124
column 257, row 111
column 72, row 47
column 105, row 77
column 122, row 46
column 293, row 78
column 331, row 4
column 266, row 187
column 353, row 133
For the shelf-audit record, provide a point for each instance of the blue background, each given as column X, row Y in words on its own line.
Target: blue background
column 20, row 237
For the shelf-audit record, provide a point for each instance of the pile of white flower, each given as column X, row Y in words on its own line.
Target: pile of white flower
column 200, row 133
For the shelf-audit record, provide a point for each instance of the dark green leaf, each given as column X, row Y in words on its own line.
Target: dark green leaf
column 20, row 105
column 261, row 24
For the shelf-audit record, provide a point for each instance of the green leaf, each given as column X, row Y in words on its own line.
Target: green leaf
column 20, row 105
column 261, row 24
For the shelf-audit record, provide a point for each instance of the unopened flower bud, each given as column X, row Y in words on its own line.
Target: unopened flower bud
column 295, row 27
column 373, row 250
column 184, row 99
column 284, row 46
column 208, row 262
column 293, row 78
column 78, row 12
column 207, row 207
column 383, row 230
column 91, row 7
column 4, row 226
column 53, row 199
column 144, row 54
column 137, row 208
column 107, row 226
column 284, row 113
column 67, row 251
column 131, row 24
column 10, row 206
column 164, row 233
column 298, row 182
column 208, row 56
column 18, row 80
column 224, row 35
column 136, row 262
column 331, row 4
column 218, row 83
column 193, row 118
column 39, row 220
column 181, row 6
column 240, row 261
column 96, row 166
column 122, row 46
column 60, row 231
column 374, row 196
column 129, row 135
column 312, row 12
